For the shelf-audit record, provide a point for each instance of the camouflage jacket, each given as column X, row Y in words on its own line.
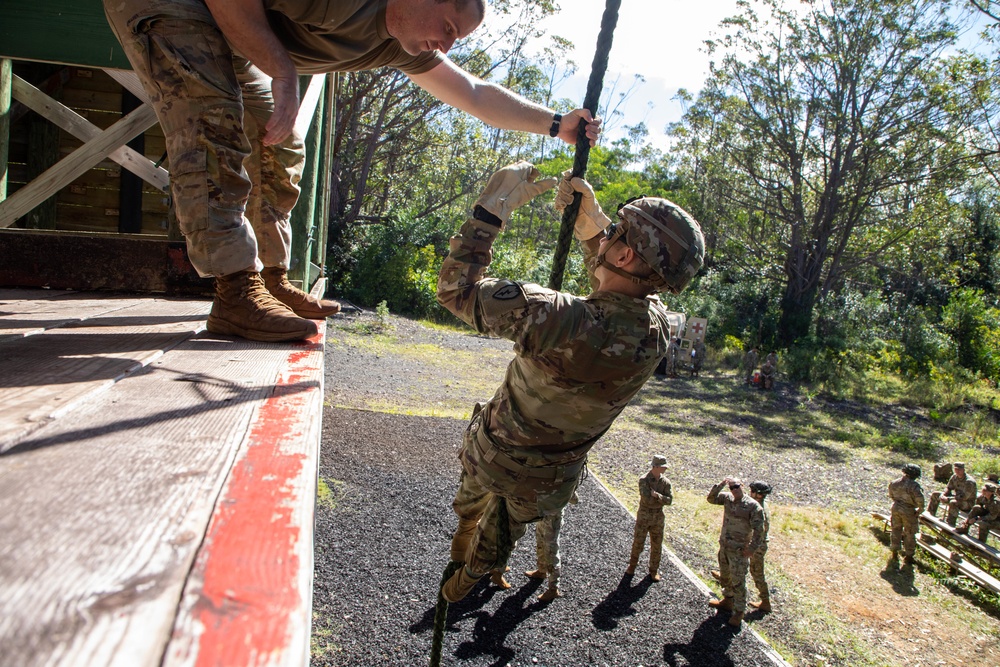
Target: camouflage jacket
column 767, row 527
column 654, row 493
column 992, row 507
column 962, row 490
column 578, row 361
column 742, row 521
column 750, row 361
column 906, row 495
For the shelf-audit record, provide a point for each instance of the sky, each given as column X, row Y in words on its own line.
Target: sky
column 660, row 39
column 663, row 40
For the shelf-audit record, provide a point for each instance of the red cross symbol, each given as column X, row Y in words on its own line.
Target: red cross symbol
column 698, row 328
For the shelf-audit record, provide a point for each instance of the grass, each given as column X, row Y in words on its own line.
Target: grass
column 329, row 497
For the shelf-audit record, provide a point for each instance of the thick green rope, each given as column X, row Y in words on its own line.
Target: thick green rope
column 441, row 613
column 590, row 101
column 504, row 548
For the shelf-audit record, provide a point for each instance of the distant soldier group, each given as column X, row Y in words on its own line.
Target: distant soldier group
column 983, row 511
column 764, row 378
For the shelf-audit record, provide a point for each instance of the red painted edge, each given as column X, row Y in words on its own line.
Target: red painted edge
column 250, row 561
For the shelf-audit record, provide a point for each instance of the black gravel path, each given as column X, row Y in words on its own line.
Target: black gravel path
column 382, row 543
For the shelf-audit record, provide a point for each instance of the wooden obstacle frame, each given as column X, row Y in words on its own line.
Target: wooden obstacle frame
column 82, row 157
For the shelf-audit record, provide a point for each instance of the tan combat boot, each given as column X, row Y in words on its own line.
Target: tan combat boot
column 243, row 307
column 716, row 575
column 655, row 576
column 459, row 585
column 462, row 538
column 736, row 620
column 550, row 594
column 536, row 574
column 496, row 576
column 302, row 304
column 764, row 605
column 724, row 603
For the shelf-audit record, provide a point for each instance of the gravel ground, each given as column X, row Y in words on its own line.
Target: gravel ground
column 383, row 538
column 382, row 543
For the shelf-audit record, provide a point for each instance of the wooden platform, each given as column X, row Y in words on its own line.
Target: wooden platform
column 157, row 485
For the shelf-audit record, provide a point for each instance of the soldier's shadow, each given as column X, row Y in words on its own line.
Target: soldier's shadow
column 491, row 630
column 901, row 580
column 708, row 645
column 619, row 602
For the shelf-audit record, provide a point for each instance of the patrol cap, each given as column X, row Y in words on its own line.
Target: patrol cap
column 911, row 470
column 763, row 488
column 667, row 238
column 658, row 462
column 959, row 464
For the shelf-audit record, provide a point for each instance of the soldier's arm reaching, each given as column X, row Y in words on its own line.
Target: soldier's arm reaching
column 489, row 305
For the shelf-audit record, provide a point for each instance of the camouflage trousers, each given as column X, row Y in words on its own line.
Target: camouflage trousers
column 547, row 546
column 757, row 572
column 232, row 195
column 647, row 522
column 980, row 517
column 904, row 527
column 954, row 507
column 733, row 567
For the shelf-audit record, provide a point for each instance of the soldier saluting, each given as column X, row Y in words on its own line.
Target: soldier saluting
column 742, row 534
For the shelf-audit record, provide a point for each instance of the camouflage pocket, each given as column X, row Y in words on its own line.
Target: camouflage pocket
column 188, row 58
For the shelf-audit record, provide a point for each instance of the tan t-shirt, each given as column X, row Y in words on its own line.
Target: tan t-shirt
column 341, row 36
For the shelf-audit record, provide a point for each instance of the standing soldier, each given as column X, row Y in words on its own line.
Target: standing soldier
column 578, row 361
column 749, row 365
column 907, row 504
column 986, row 513
column 673, row 356
column 759, row 491
column 741, row 535
column 654, row 493
column 697, row 356
column 223, row 78
column 960, row 493
column 548, row 563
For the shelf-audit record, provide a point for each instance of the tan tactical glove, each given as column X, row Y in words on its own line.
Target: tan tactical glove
column 511, row 187
column 590, row 221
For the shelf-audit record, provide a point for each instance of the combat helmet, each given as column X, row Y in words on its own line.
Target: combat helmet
column 763, row 488
column 665, row 236
column 911, row 470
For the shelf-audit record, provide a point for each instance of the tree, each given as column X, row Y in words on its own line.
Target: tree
column 829, row 138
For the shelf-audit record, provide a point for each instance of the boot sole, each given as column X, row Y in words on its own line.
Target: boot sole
column 217, row 325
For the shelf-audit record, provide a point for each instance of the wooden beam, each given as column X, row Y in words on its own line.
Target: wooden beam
column 72, row 166
column 84, row 130
column 129, row 80
column 5, row 84
column 307, row 109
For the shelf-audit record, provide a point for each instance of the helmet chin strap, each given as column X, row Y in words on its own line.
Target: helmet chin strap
column 619, row 235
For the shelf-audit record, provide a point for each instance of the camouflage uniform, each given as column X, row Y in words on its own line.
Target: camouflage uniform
column 907, row 504
column 578, row 363
column 749, row 365
column 673, row 356
column 697, row 356
column 213, row 106
column 547, row 556
column 742, row 528
column 961, row 495
column 654, row 494
column 757, row 558
column 985, row 514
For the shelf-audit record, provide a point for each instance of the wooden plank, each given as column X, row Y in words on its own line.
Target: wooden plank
column 24, row 312
column 6, row 77
column 227, row 617
column 129, row 80
column 82, row 129
column 49, row 373
column 984, row 550
column 72, row 166
column 955, row 560
column 105, row 510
